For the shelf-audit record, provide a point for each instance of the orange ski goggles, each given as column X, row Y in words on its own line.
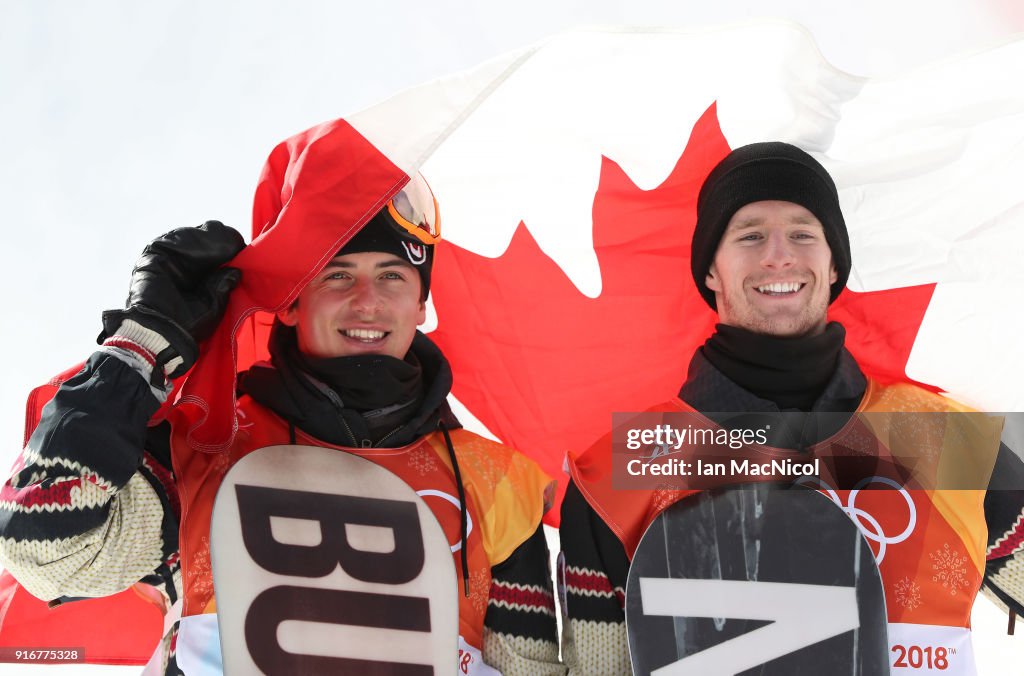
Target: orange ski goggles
column 415, row 210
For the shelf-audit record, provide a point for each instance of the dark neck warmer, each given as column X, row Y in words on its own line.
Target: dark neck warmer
column 365, row 400
column 367, row 382
column 790, row 372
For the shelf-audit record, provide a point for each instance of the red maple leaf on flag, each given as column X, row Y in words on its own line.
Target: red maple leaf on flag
column 543, row 366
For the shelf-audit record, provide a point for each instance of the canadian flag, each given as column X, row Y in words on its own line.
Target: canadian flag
column 567, row 174
column 568, row 190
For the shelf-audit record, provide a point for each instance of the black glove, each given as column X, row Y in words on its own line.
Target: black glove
column 179, row 290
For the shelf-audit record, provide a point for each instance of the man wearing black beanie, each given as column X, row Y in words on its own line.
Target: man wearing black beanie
column 348, row 370
column 770, row 253
column 767, row 172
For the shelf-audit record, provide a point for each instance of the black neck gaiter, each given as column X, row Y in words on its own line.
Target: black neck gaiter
column 358, row 400
column 368, row 382
column 790, row 372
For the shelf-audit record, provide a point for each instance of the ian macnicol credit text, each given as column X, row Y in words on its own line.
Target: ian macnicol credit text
column 737, row 468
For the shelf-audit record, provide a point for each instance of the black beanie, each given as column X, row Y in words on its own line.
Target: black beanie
column 381, row 233
column 766, row 171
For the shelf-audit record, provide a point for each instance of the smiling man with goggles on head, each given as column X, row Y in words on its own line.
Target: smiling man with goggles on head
column 348, row 369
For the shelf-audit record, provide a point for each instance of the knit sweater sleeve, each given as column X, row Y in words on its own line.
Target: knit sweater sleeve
column 87, row 511
column 592, row 578
column 520, row 633
column 1004, row 512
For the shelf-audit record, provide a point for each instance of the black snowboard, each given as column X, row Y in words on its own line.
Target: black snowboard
column 757, row 579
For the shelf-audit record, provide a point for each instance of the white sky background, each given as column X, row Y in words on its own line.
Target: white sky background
column 121, row 120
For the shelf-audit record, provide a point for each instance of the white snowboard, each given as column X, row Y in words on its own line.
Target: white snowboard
column 324, row 562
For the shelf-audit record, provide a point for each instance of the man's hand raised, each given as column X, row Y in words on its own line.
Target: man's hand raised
column 178, row 293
